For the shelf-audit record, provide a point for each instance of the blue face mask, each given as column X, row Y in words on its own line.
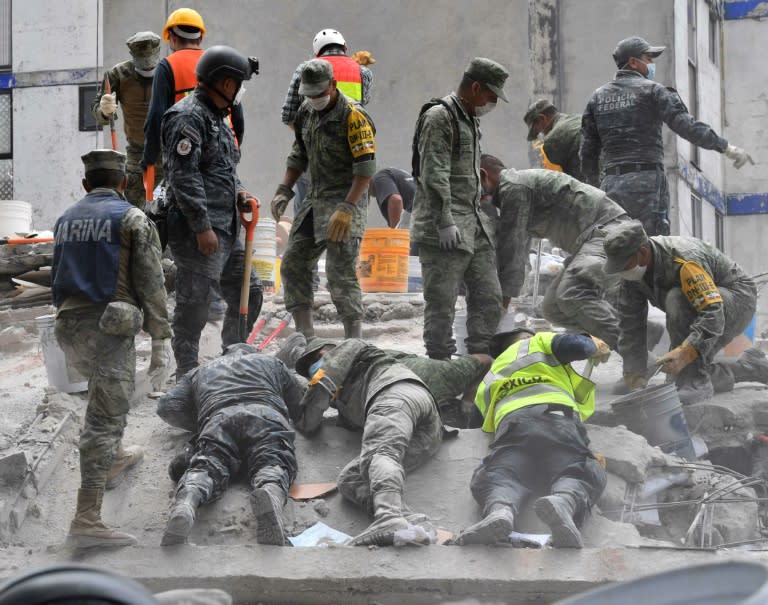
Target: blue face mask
column 315, row 367
column 651, row 71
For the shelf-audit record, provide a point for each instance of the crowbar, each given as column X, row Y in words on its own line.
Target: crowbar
column 250, row 229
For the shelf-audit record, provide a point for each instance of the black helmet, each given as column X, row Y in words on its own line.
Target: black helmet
column 69, row 584
column 219, row 62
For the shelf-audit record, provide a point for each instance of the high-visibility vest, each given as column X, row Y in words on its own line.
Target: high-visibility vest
column 183, row 63
column 526, row 374
column 346, row 72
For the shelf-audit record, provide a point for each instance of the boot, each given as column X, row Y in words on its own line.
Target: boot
column 557, row 512
column 292, row 349
column 302, row 318
column 388, row 519
column 353, row 328
column 267, row 504
column 494, row 528
column 182, row 517
column 87, row 530
column 752, row 366
column 125, row 459
column 696, row 389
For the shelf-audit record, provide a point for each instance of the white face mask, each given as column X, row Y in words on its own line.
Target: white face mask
column 485, row 109
column 239, row 95
column 636, row 273
column 147, row 73
column 319, row 103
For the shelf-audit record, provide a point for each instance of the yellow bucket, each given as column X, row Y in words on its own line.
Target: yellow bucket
column 383, row 262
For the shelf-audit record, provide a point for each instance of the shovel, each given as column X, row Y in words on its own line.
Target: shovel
column 252, row 205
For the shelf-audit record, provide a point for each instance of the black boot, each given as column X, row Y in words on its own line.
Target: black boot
column 388, row 519
column 557, row 512
column 752, row 366
column 494, row 528
column 292, row 349
column 353, row 328
column 267, row 504
column 182, row 517
column 302, row 319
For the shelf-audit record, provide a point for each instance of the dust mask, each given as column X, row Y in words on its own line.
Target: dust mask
column 636, row 273
column 485, row 109
column 147, row 73
column 651, row 71
column 239, row 95
column 315, row 367
column 319, row 103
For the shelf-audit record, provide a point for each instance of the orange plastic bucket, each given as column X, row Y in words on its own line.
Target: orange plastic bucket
column 383, row 262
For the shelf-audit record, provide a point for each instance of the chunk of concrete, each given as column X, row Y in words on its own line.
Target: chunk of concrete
column 612, row 499
column 627, row 454
column 13, row 468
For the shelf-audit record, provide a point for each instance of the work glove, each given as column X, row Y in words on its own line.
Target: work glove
column 738, row 155
column 108, row 105
column 340, row 223
column 283, row 195
column 450, row 238
column 635, row 380
column 602, row 353
column 363, row 57
column 160, row 363
column 320, row 392
column 678, row 358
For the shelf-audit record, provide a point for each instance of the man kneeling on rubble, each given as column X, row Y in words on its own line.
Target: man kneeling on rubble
column 401, row 430
column 535, row 402
column 238, row 405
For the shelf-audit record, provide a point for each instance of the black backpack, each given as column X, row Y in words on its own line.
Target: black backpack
column 415, row 158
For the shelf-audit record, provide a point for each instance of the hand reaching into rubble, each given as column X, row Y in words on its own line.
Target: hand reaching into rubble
column 159, row 365
column 602, row 353
column 678, row 358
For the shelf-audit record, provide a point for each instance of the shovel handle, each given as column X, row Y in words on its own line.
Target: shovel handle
column 245, row 291
column 149, row 183
column 112, row 131
column 16, row 241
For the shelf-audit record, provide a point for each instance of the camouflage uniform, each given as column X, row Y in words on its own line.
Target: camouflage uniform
column 622, row 122
column 707, row 330
column 324, row 145
column 398, row 415
column 201, row 158
column 445, row 379
column 448, row 193
column 561, row 144
column 109, row 361
column 573, row 216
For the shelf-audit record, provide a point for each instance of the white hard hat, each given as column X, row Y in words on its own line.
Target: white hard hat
column 325, row 37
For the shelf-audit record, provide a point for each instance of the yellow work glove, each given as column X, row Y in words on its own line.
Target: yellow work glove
column 283, row 195
column 679, row 357
column 603, row 351
column 340, row 223
column 635, row 380
column 364, row 57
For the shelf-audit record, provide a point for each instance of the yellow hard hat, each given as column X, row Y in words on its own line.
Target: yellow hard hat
column 183, row 16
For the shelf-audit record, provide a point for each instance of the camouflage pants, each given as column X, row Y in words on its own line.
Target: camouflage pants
column 301, row 258
column 252, row 436
column 739, row 304
column 109, row 363
column 441, row 273
column 536, row 451
column 576, row 299
column 644, row 196
column 445, row 378
column 135, row 193
column 402, row 431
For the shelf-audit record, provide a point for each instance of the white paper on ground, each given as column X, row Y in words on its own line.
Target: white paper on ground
column 529, row 540
column 319, row 535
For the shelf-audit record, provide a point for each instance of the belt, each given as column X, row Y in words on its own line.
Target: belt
column 626, row 168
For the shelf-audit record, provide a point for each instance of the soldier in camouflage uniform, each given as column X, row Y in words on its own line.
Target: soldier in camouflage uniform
column 399, row 418
column 622, row 121
column 573, row 216
column 201, row 158
column 708, row 300
column 335, row 140
column 131, row 84
column 561, row 137
column 455, row 238
column 107, row 285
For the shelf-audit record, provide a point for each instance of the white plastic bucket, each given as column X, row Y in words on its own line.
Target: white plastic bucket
column 60, row 374
column 264, row 256
column 460, row 331
column 15, row 217
column 414, row 274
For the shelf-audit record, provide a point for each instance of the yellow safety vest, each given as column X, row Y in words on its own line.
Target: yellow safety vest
column 527, row 373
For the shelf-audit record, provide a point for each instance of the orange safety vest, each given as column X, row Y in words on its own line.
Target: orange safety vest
column 346, row 72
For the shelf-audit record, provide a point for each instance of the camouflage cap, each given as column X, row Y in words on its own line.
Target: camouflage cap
column 143, row 44
column 490, row 73
column 534, row 111
column 104, row 159
column 315, row 77
column 622, row 244
column 634, row 47
column 313, row 346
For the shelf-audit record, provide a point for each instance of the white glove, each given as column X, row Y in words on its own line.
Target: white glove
column 108, row 105
column 738, row 155
column 159, row 365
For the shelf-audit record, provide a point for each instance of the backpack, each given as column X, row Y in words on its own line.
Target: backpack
column 415, row 157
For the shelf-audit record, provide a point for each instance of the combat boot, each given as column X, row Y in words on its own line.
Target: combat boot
column 557, row 512
column 388, row 519
column 302, row 319
column 292, row 349
column 494, row 528
column 752, row 366
column 87, row 529
column 353, row 328
column 182, row 517
column 125, row 459
column 267, row 504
